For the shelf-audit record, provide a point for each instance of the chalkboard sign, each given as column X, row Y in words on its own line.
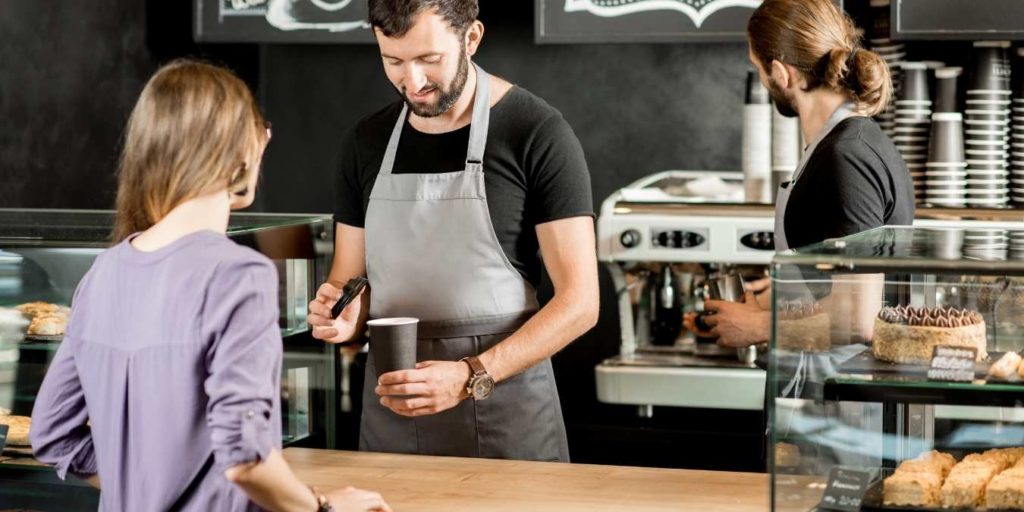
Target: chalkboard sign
column 952, row 364
column 282, row 21
column 634, row 21
column 957, row 19
column 845, row 491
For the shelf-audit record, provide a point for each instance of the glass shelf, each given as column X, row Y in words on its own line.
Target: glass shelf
column 92, row 228
column 909, row 249
column 49, row 346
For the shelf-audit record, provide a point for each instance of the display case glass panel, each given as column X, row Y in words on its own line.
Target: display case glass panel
column 43, row 256
column 894, row 373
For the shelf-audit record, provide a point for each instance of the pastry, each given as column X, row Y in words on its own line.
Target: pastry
column 965, row 486
column 1007, row 366
column 49, row 325
column 965, row 490
column 1006, row 457
column 912, row 489
column 804, row 327
column 918, row 481
column 993, row 458
column 37, row 308
column 909, row 335
column 929, row 462
column 1005, row 491
column 1020, row 370
column 17, row 433
column 786, row 455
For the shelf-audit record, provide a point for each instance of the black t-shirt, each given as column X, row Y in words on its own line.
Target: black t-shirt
column 534, row 170
column 854, row 181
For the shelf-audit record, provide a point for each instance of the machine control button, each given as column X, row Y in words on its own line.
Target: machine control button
column 676, row 239
column 759, row 240
column 630, row 238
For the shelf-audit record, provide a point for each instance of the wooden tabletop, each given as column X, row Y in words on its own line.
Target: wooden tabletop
column 448, row 484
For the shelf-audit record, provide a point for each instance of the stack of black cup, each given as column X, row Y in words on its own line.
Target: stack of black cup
column 946, row 170
column 893, row 53
column 1017, row 142
column 987, row 120
column 945, row 97
column 1016, row 239
column 985, row 244
column 913, row 117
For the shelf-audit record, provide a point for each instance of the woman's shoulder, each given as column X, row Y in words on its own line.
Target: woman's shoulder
column 233, row 259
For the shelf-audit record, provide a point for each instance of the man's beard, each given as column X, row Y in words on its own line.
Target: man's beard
column 783, row 104
column 446, row 96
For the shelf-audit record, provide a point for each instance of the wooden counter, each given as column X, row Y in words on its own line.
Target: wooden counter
column 449, row 484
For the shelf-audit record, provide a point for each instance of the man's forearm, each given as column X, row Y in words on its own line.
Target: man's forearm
column 566, row 317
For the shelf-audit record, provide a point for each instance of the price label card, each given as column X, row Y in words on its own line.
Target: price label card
column 845, row 490
column 952, row 364
column 3, row 437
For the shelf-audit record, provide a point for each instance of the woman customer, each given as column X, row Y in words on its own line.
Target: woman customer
column 851, row 177
column 166, row 386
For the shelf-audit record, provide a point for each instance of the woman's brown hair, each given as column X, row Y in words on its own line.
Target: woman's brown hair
column 819, row 39
column 195, row 129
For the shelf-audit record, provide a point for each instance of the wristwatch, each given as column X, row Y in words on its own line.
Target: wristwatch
column 322, row 505
column 480, row 384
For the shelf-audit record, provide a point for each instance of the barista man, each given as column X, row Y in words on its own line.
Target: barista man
column 443, row 199
column 851, row 177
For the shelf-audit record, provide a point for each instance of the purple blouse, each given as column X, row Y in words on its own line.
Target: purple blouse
column 173, row 356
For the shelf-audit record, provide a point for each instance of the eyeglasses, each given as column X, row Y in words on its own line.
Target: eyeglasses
column 270, row 133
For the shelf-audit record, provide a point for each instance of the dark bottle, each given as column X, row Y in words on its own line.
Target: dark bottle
column 667, row 308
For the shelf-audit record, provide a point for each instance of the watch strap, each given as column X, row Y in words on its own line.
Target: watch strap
column 475, row 365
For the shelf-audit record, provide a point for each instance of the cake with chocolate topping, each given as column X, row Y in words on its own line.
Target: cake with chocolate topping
column 803, row 327
column 908, row 335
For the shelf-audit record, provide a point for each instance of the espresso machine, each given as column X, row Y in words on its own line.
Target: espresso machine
column 669, row 241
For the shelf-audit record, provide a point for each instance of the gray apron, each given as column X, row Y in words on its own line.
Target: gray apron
column 786, row 189
column 432, row 254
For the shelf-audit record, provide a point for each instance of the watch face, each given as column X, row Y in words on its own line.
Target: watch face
column 483, row 387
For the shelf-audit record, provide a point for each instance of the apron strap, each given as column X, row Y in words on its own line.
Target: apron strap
column 477, row 129
column 388, row 163
column 481, row 120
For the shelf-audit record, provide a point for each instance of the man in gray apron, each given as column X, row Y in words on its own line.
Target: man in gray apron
column 484, row 386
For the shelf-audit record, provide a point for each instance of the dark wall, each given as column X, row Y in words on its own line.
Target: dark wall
column 636, row 108
column 65, row 98
column 70, row 73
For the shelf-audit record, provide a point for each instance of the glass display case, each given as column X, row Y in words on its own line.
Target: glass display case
column 894, row 379
column 44, row 254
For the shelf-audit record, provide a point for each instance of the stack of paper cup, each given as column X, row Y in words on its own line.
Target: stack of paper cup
column 757, row 142
column 945, row 98
column 913, row 118
column 946, row 171
column 1016, row 239
column 1017, row 142
column 987, row 119
column 985, row 244
column 893, row 53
